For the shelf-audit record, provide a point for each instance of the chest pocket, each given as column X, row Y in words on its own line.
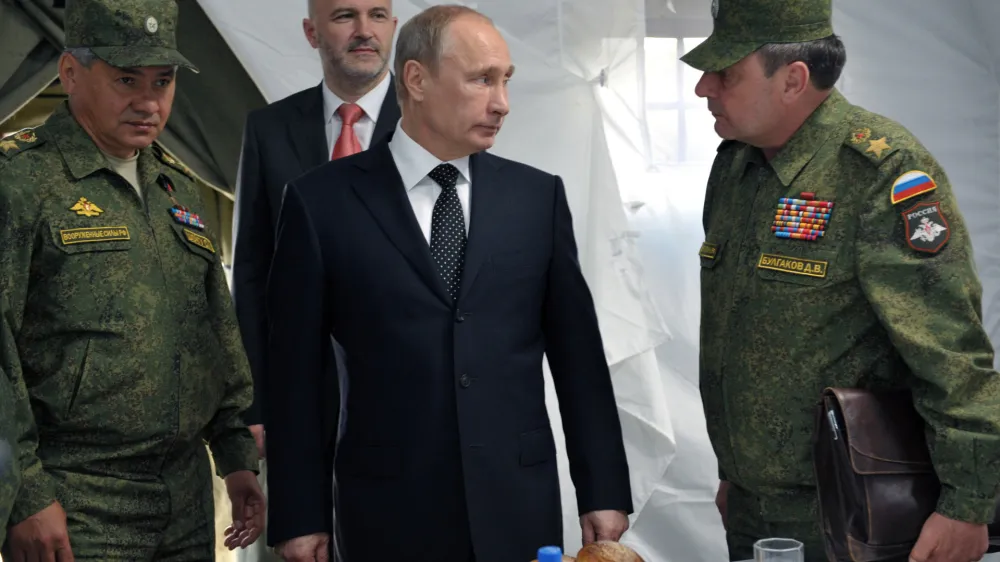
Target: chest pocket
column 196, row 242
column 797, row 265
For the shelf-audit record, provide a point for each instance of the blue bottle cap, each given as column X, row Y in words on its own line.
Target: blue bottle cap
column 550, row 554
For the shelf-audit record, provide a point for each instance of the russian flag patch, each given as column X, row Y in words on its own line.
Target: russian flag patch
column 910, row 185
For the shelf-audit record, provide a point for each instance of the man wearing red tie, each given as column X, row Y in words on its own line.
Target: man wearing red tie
column 354, row 107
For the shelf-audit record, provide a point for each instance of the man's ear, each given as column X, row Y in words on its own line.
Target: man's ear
column 797, row 77
column 414, row 79
column 69, row 69
column 309, row 30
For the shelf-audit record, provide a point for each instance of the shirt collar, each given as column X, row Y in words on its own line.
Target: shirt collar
column 825, row 122
column 371, row 102
column 414, row 162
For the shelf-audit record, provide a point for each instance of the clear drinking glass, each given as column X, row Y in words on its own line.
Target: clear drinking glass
column 778, row 550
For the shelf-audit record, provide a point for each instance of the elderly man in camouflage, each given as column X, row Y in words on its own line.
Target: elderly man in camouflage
column 125, row 336
column 834, row 255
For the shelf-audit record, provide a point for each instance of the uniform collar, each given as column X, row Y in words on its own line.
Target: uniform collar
column 77, row 148
column 825, row 122
column 82, row 156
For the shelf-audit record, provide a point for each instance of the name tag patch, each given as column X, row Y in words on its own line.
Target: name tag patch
column 199, row 240
column 94, row 234
column 708, row 250
column 797, row 266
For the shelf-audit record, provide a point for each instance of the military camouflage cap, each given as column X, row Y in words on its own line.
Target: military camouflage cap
column 743, row 26
column 126, row 33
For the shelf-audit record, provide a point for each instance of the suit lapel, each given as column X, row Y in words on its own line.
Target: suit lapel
column 486, row 202
column 381, row 190
column 388, row 116
column 307, row 130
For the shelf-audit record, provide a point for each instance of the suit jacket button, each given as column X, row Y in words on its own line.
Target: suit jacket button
column 459, row 317
column 465, row 381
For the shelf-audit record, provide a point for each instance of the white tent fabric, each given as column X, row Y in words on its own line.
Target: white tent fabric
column 578, row 110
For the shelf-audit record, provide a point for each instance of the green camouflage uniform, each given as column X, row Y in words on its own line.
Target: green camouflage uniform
column 126, row 338
column 886, row 296
column 10, row 473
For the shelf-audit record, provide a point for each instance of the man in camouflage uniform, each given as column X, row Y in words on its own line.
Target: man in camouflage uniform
column 834, row 255
column 125, row 336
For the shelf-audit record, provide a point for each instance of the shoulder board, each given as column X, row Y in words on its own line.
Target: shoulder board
column 19, row 142
column 169, row 160
column 872, row 145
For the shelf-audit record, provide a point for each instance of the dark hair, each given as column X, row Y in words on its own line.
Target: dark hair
column 824, row 57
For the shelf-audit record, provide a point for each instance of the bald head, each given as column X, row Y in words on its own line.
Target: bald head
column 320, row 6
column 354, row 40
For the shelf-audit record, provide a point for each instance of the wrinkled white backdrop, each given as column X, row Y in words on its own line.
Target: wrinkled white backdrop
column 612, row 111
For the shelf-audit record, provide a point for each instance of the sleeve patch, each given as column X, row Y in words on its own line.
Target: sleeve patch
column 927, row 228
column 911, row 184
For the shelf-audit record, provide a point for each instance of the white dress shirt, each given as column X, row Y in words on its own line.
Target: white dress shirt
column 414, row 163
column 371, row 103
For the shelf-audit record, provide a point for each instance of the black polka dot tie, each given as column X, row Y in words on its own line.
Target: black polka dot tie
column 448, row 228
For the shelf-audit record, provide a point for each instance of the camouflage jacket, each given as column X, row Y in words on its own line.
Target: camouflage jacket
column 126, row 339
column 10, row 403
column 842, row 262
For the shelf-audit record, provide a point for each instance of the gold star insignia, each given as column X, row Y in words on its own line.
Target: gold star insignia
column 86, row 208
column 26, row 136
column 6, row 145
column 878, row 146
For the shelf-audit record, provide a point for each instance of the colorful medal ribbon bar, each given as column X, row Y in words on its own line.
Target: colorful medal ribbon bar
column 181, row 214
column 802, row 218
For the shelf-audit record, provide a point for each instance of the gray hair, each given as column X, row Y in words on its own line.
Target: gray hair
column 422, row 38
column 825, row 58
column 83, row 55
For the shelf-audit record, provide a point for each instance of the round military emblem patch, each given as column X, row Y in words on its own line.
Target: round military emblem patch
column 715, row 8
column 152, row 25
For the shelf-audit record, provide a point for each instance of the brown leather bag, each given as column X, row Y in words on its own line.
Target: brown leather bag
column 874, row 475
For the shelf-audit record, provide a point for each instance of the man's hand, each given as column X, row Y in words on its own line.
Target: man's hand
column 310, row 548
column 248, row 509
column 604, row 525
column 258, row 437
column 947, row 540
column 722, row 501
column 42, row 536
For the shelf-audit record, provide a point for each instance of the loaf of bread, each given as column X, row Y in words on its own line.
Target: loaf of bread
column 607, row 551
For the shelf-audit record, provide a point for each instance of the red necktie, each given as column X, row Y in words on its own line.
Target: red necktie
column 347, row 143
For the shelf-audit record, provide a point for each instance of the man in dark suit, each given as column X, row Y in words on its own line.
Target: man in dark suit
column 446, row 273
column 354, row 106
